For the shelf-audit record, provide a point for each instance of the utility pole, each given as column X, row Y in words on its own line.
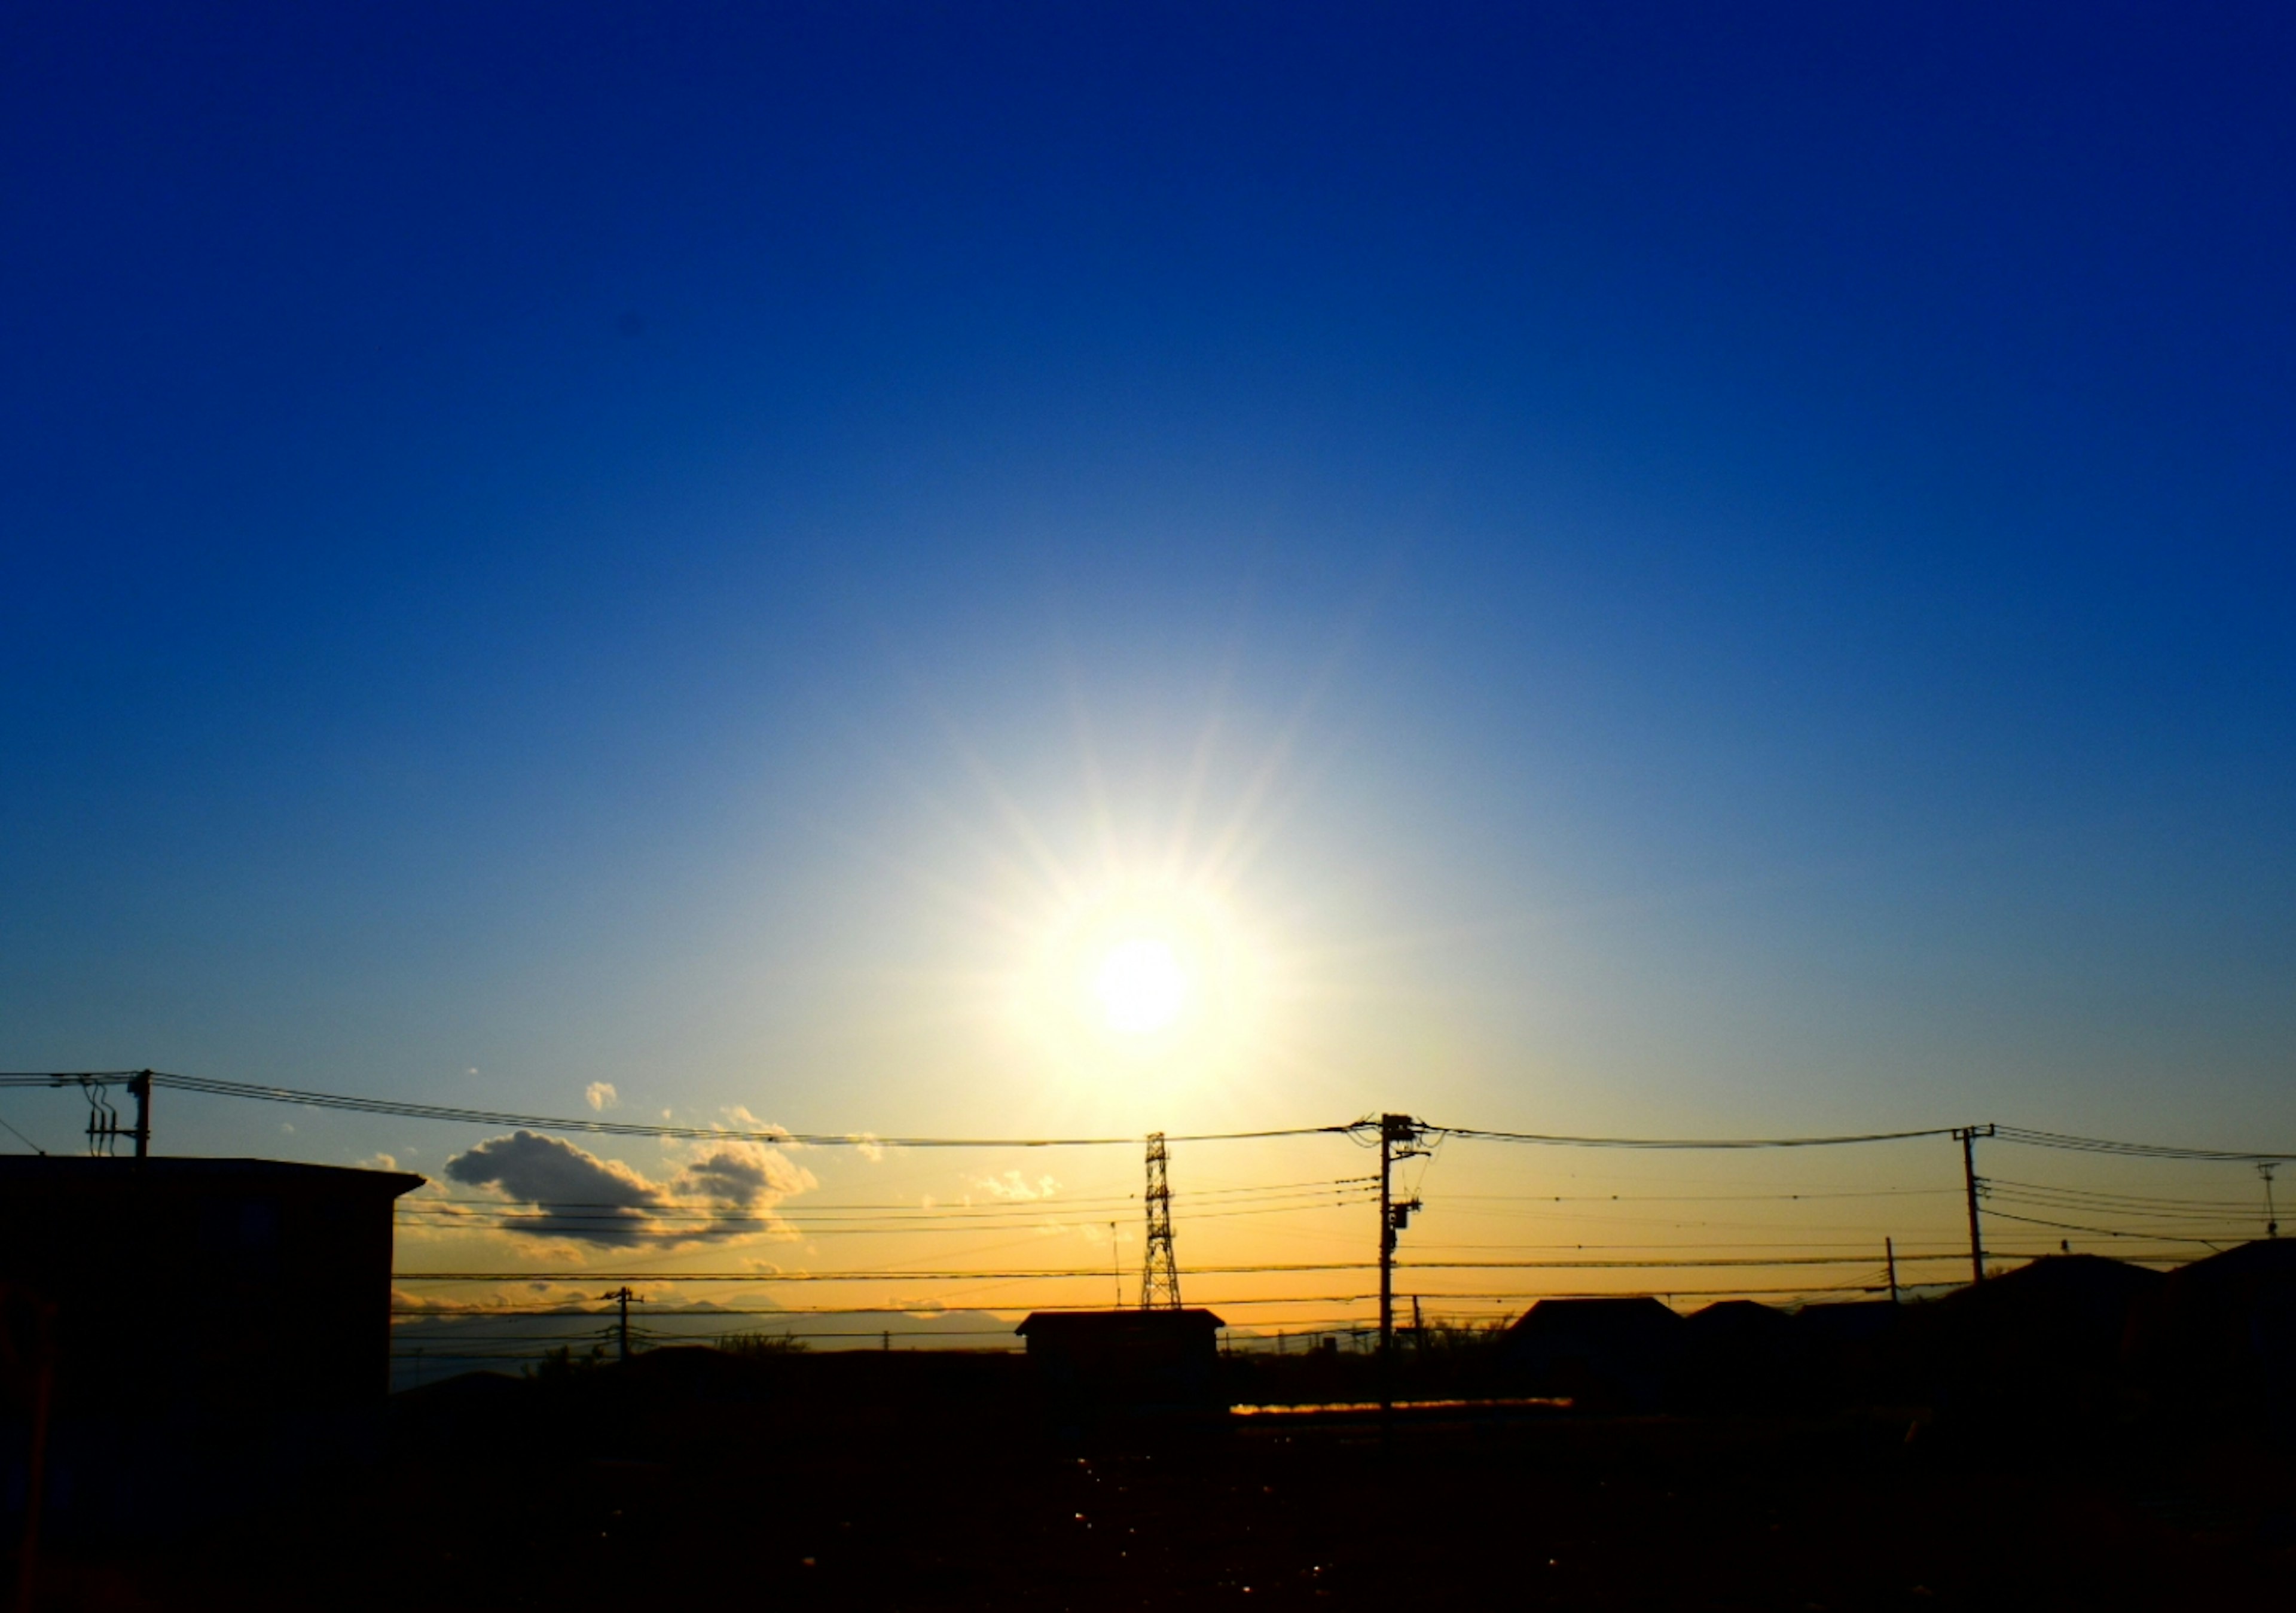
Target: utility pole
column 1398, row 1138
column 1889, row 1256
column 103, row 1128
column 139, row 1087
column 2271, row 1215
column 1160, row 1272
column 623, row 1329
column 1116, row 1265
column 1969, row 1136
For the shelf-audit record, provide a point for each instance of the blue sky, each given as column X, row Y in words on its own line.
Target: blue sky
column 1689, row 569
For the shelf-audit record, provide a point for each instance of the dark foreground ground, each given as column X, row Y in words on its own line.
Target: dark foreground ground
column 719, row 1485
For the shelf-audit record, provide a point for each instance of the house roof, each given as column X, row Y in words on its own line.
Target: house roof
column 2265, row 1257
column 79, row 1173
column 1848, row 1324
column 1733, row 1318
column 1053, row 1322
column 1639, row 1315
column 2061, row 1279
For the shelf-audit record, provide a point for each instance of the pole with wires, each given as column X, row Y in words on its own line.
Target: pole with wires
column 139, row 1087
column 622, row 1327
column 1969, row 1136
column 1398, row 1138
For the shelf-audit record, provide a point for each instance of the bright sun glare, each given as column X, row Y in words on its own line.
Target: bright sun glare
column 1140, row 986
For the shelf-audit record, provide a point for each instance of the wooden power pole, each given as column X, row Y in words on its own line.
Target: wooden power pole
column 1969, row 1136
column 1398, row 1139
column 622, row 1329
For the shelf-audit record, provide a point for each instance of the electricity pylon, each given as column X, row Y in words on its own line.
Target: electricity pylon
column 1160, row 1273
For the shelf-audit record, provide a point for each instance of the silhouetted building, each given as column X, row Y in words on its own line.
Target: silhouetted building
column 1848, row 1354
column 2219, row 1336
column 1737, row 1355
column 1091, row 1364
column 1603, row 1353
column 201, row 1306
column 2043, row 1340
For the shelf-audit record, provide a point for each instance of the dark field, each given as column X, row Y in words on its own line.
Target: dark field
column 927, row 1482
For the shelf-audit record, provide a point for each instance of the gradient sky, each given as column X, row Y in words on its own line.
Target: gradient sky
column 1712, row 569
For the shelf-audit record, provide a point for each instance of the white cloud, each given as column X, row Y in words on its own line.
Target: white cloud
column 740, row 1175
column 744, row 1120
column 1012, row 1185
column 600, row 1096
column 723, row 1190
column 401, row 1299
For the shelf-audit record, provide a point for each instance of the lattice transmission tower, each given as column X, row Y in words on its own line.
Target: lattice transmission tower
column 1160, row 1275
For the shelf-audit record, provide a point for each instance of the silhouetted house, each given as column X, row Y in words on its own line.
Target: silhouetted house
column 1737, row 1355
column 1848, row 1352
column 1604, row 1354
column 2218, row 1338
column 201, row 1307
column 1847, row 1324
column 2045, row 1340
column 1091, row 1364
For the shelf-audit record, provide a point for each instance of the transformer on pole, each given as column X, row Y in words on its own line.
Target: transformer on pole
column 1399, row 1139
column 1160, row 1272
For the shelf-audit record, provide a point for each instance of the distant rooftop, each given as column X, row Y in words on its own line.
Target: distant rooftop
column 1054, row 1321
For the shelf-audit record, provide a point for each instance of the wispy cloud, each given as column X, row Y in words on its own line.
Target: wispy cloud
column 1013, row 1186
column 600, row 1096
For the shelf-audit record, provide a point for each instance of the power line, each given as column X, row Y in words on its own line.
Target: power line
column 1094, row 1273
column 2132, row 1200
column 1559, row 1140
column 2137, row 1150
column 1363, row 1128
column 542, row 1221
column 1454, row 1198
column 600, row 1126
column 2067, row 1226
column 958, row 1206
column 409, row 1314
column 1026, row 1213
column 27, row 1142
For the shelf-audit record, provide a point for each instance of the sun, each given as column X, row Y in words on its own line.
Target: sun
column 1145, row 981
column 1140, row 986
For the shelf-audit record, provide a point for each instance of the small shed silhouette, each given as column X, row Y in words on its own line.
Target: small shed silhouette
column 1608, row 1353
column 1091, row 1363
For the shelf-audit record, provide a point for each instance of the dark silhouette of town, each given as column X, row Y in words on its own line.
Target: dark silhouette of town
column 196, row 1358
